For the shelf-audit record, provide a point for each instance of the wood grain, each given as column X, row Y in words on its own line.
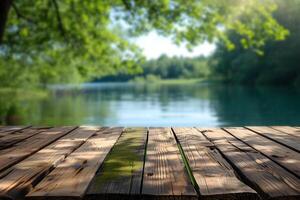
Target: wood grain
column 290, row 141
column 6, row 130
column 295, row 131
column 280, row 154
column 18, row 136
column 214, row 175
column 71, row 178
column 94, row 163
column 24, row 149
column 165, row 175
column 269, row 179
column 122, row 172
column 18, row 180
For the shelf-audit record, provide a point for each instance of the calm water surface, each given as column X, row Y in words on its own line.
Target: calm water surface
column 125, row 104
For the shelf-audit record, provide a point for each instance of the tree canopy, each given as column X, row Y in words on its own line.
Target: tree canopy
column 47, row 41
column 278, row 65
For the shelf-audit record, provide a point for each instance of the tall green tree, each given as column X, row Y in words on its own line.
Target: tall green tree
column 58, row 41
column 280, row 62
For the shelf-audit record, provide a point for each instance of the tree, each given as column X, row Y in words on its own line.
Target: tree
column 62, row 40
column 4, row 9
column 280, row 62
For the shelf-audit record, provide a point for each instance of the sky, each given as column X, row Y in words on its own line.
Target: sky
column 154, row 45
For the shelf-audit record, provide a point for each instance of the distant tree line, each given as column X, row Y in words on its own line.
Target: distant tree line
column 166, row 67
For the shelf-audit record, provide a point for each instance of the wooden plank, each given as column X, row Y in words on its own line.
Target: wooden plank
column 70, row 179
column 164, row 174
column 18, row 180
column 214, row 175
column 269, row 179
column 18, row 136
column 280, row 154
column 290, row 141
column 27, row 147
column 122, row 171
column 295, row 131
column 11, row 128
column 6, row 130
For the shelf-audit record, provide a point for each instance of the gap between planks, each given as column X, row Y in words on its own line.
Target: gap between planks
column 214, row 176
column 6, row 130
column 285, row 139
column 269, row 169
column 121, row 174
column 71, row 178
column 282, row 155
column 20, row 151
column 19, row 135
column 268, row 178
column 18, row 180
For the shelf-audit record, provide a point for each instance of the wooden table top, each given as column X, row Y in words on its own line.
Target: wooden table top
column 89, row 162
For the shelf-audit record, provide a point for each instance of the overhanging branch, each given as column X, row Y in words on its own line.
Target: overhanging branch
column 58, row 17
column 126, row 4
column 20, row 15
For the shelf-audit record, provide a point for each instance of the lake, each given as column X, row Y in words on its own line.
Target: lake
column 129, row 104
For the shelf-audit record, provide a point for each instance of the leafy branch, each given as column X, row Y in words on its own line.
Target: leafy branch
column 58, row 17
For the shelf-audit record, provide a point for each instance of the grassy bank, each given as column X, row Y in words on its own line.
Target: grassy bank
column 23, row 93
column 156, row 80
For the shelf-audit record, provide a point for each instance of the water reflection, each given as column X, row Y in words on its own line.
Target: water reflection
column 155, row 105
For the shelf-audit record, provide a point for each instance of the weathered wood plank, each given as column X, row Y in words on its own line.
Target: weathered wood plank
column 18, row 136
column 11, row 128
column 267, row 177
column 164, row 174
column 6, row 130
column 122, row 172
column 280, row 154
column 18, row 180
column 70, row 179
column 27, row 147
column 295, row 131
column 290, row 141
column 214, row 175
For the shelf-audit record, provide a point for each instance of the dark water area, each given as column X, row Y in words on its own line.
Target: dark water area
column 129, row 104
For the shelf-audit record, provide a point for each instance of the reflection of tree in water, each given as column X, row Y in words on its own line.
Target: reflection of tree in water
column 74, row 108
column 100, row 105
column 165, row 94
column 11, row 111
column 64, row 108
column 241, row 105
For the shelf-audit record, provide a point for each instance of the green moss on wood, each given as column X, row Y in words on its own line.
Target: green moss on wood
column 126, row 157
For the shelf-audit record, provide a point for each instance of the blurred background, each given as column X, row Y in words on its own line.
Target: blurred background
column 150, row 63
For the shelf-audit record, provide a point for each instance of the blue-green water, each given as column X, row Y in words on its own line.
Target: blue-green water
column 125, row 104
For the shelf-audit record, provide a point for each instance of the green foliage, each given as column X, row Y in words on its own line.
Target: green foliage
column 73, row 40
column 278, row 65
column 177, row 67
column 150, row 78
column 195, row 21
column 12, row 106
column 79, row 46
column 166, row 68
